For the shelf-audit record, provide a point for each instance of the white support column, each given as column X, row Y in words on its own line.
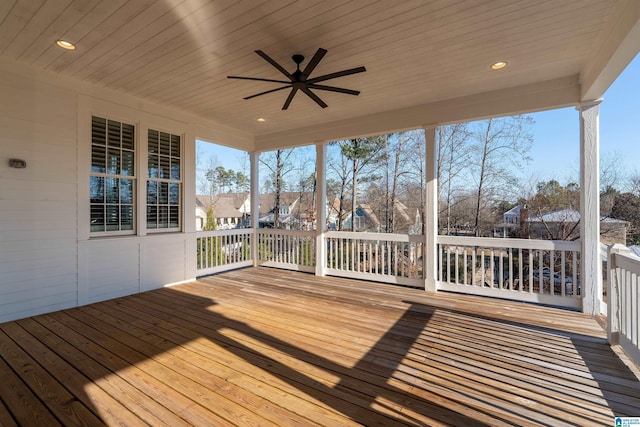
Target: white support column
column 255, row 204
column 189, row 197
column 321, row 208
column 590, row 265
column 430, row 255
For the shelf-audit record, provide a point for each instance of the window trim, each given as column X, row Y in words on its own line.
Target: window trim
column 122, row 110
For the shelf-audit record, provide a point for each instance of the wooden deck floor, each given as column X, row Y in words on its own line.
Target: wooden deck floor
column 268, row 347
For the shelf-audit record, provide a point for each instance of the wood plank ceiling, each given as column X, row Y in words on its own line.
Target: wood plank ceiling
column 179, row 52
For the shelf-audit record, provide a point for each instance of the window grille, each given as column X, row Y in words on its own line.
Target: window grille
column 112, row 177
column 164, row 181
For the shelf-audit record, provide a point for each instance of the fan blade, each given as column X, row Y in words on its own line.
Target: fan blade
column 320, row 53
column 266, row 92
column 315, row 97
column 257, row 79
column 274, row 63
column 337, row 74
column 290, row 98
column 334, row 89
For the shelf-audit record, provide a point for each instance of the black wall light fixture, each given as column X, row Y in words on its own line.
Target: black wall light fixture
column 17, row 163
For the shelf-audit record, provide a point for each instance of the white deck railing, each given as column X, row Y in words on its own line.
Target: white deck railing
column 393, row 258
column 288, row 249
column 624, row 301
column 221, row 250
column 529, row 270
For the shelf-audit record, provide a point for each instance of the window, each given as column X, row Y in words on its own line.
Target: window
column 164, row 185
column 112, row 177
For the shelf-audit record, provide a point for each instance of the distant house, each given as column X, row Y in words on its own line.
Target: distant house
column 561, row 224
column 229, row 209
column 511, row 221
column 233, row 210
column 367, row 219
column 295, row 210
column 201, row 215
column 565, row 225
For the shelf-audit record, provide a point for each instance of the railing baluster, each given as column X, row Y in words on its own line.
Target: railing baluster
column 377, row 252
column 563, row 282
column 333, row 262
column 456, row 268
column 439, row 260
column 501, row 270
column 493, row 267
column 473, row 266
column 552, row 272
column 540, row 271
column 448, row 264
column 352, row 265
column 520, row 271
column 483, row 279
column 510, row 252
column 465, row 266
column 388, row 264
column 402, row 259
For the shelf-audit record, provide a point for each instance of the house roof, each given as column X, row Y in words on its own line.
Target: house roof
column 426, row 62
column 366, row 209
column 567, row 216
column 228, row 205
column 513, row 211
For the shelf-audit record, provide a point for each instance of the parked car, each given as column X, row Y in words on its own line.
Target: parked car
column 557, row 281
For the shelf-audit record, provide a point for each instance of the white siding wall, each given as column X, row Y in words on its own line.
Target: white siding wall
column 48, row 261
column 38, row 253
column 111, row 269
column 143, row 264
column 162, row 260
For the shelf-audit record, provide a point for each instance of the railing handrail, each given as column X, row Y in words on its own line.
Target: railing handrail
column 496, row 242
column 219, row 233
column 625, row 258
column 409, row 238
column 276, row 231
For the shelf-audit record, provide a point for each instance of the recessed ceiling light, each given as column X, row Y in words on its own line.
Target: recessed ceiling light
column 65, row 44
column 261, row 119
column 498, row 65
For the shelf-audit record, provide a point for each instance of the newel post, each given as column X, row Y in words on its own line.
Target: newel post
column 590, row 265
column 321, row 209
column 430, row 255
column 254, row 202
column 613, row 293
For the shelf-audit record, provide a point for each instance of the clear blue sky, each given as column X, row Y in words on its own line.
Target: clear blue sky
column 557, row 132
column 555, row 152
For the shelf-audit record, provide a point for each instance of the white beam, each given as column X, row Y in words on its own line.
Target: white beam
column 545, row 95
column 430, row 255
column 617, row 50
column 590, row 265
column 321, row 208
